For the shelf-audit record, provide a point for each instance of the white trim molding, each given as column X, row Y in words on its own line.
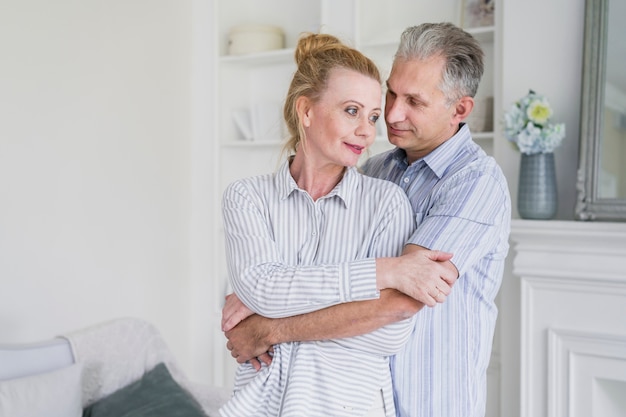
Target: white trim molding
column 573, row 310
column 576, row 360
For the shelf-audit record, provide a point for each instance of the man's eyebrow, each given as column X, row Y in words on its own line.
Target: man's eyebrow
column 414, row 96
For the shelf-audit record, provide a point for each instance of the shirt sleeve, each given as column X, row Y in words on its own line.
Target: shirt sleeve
column 271, row 287
column 465, row 218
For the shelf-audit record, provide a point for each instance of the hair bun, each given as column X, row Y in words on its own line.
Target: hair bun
column 311, row 43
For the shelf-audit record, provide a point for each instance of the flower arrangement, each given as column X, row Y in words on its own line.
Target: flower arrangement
column 527, row 124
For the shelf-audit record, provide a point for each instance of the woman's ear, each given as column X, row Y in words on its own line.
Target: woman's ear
column 303, row 107
column 463, row 108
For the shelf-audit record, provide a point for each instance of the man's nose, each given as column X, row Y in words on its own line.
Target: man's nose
column 394, row 111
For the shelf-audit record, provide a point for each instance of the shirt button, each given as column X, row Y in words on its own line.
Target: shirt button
column 314, row 233
column 406, row 180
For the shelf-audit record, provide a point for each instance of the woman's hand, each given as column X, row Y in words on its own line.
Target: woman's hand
column 233, row 312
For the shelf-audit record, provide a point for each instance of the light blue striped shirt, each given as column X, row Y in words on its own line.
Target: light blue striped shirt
column 288, row 255
column 461, row 203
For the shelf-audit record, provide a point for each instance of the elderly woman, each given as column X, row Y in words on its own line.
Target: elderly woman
column 307, row 237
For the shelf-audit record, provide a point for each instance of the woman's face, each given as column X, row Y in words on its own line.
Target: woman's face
column 342, row 123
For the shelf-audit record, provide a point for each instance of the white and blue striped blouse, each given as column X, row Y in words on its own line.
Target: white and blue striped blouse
column 290, row 255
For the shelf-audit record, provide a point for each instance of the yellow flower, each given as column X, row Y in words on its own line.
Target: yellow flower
column 527, row 125
column 539, row 111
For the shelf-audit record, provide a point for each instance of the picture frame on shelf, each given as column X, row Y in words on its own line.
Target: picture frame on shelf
column 477, row 13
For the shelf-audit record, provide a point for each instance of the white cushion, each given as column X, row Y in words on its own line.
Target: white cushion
column 19, row 360
column 52, row 394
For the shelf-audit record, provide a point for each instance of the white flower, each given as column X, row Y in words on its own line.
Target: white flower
column 527, row 125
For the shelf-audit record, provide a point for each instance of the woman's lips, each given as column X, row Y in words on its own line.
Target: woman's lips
column 356, row 148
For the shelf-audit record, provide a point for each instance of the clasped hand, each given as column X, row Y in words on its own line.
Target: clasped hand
column 426, row 276
column 243, row 329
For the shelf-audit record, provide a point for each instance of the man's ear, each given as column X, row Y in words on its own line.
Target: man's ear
column 303, row 107
column 463, row 108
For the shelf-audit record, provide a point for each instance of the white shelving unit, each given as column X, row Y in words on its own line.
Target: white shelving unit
column 258, row 82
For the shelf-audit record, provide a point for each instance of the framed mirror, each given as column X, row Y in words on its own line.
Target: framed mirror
column 601, row 179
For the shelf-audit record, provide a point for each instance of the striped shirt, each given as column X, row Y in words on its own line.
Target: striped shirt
column 462, row 205
column 288, row 255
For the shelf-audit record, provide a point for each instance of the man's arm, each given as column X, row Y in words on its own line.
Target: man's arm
column 252, row 337
column 425, row 275
column 255, row 335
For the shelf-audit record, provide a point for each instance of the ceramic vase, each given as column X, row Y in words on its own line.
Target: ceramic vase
column 537, row 195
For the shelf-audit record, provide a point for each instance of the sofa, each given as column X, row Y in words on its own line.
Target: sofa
column 122, row 367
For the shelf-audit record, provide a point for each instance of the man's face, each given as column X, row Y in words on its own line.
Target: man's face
column 417, row 117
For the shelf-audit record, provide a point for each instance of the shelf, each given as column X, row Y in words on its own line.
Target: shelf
column 261, row 58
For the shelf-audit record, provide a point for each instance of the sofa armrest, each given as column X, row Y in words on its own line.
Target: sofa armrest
column 20, row 360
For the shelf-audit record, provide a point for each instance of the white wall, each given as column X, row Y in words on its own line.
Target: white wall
column 207, row 284
column 95, row 190
column 542, row 50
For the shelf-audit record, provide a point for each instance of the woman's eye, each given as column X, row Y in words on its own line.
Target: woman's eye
column 374, row 118
column 353, row 111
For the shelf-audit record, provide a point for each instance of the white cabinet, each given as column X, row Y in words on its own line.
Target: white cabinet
column 251, row 88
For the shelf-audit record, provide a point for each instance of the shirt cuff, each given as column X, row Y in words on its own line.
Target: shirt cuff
column 358, row 281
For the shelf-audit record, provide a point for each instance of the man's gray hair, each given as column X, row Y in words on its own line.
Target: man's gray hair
column 462, row 53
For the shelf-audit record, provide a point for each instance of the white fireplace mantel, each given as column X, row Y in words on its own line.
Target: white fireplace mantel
column 573, row 317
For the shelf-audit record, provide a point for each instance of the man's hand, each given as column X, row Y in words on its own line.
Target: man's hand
column 247, row 341
column 422, row 274
column 233, row 312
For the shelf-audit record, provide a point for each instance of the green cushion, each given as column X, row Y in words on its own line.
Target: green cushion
column 156, row 394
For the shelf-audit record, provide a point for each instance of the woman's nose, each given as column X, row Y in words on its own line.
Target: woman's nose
column 365, row 128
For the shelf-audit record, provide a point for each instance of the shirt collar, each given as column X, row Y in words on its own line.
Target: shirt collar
column 439, row 159
column 286, row 185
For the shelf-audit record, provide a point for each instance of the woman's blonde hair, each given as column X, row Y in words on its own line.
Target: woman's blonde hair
column 316, row 55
